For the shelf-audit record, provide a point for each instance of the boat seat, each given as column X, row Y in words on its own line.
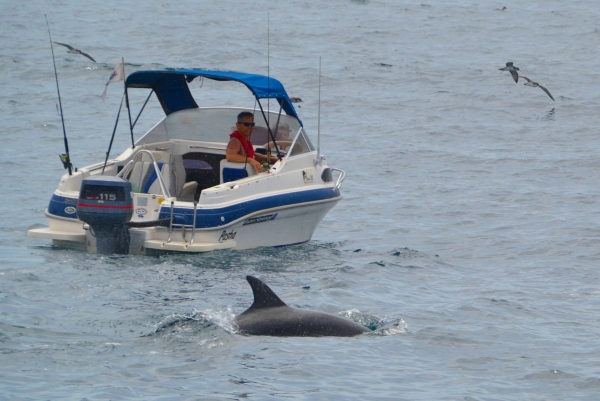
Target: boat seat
column 141, row 174
column 234, row 171
column 188, row 192
column 143, row 178
column 184, row 191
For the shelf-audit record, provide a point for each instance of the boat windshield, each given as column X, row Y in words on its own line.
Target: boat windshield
column 214, row 124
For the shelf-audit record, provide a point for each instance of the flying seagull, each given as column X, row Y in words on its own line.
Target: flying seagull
column 534, row 84
column 295, row 100
column 75, row 51
column 512, row 69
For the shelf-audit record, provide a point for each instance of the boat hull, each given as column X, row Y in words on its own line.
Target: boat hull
column 278, row 226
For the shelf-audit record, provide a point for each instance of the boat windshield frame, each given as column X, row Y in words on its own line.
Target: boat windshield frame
column 215, row 124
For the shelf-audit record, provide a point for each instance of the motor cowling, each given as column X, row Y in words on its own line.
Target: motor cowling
column 106, row 204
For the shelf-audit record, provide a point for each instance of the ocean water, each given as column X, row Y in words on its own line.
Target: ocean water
column 468, row 234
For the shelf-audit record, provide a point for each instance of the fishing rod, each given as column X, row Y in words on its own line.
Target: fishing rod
column 268, row 66
column 269, row 90
column 65, row 158
column 267, row 117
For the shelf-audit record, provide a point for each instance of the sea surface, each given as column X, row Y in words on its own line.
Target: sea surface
column 468, row 236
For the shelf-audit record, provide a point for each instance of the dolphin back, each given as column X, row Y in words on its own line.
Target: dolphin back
column 264, row 297
column 270, row 316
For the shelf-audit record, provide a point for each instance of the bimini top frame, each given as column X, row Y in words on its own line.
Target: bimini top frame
column 174, row 94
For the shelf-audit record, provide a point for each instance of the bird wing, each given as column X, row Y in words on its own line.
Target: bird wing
column 528, row 80
column 65, row 45
column 547, row 92
column 86, row 55
column 515, row 75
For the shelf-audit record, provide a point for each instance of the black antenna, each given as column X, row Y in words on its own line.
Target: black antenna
column 65, row 158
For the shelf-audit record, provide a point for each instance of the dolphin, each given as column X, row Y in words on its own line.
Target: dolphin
column 270, row 316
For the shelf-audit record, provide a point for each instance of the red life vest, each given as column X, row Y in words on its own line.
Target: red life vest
column 246, row 144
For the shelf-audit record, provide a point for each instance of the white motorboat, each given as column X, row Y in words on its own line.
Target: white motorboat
column 173, row 189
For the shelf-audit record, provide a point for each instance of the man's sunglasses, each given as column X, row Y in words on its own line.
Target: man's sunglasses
column 247, row 124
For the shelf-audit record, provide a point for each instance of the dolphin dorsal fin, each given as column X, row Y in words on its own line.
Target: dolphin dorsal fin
column 264, row 297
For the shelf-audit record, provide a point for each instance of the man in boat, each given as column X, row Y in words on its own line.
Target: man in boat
column 240, row 149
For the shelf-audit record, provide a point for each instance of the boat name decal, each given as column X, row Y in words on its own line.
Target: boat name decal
column 70, row 210
column 227, row 235
column 307, row 177
column 260, row 219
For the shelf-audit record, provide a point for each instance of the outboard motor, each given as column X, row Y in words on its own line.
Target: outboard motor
column 105, row 203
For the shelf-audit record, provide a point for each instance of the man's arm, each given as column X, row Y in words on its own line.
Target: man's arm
column 263, row 158
column 232, row 155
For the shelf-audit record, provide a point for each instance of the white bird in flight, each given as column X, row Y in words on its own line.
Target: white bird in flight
column 75, row 51
column 512, row 69
column 534, row 84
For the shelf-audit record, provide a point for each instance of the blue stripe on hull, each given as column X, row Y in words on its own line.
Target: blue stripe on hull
column 208, row 218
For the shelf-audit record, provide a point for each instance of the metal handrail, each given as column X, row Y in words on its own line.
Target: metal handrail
column 171, row 222
column 125, row 170
column 340, row 179
column 194, row 223
column 159, row 177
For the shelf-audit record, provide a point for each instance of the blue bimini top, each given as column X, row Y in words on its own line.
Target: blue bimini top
column 174, row 94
